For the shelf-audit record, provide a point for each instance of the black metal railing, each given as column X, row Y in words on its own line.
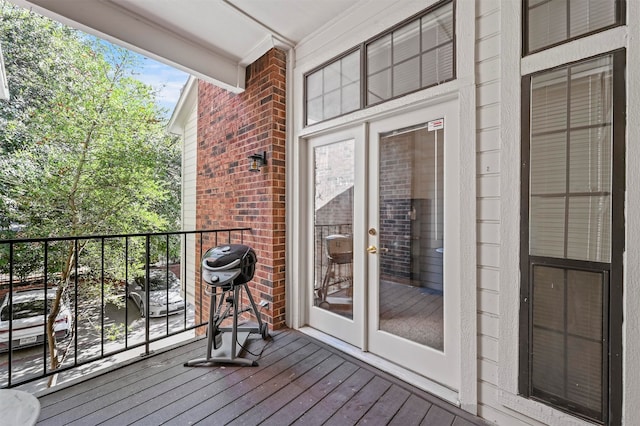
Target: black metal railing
column 106, row 309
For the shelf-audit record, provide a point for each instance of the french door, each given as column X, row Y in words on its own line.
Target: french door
column 385, row 203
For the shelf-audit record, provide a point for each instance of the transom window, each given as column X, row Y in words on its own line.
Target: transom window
column 551, row 22
column 334, row 89
column 417, row 54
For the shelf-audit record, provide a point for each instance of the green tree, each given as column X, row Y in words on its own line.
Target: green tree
column 84, row 147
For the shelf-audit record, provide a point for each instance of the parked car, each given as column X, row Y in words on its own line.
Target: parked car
column 29, row 318
column 159, row 305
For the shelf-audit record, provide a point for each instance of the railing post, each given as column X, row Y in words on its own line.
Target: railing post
column 167, row 280
column 75, row 303
column 102, row 296
column 126, row 291
column 46, row 306
column 10, row 311
column 147, row 257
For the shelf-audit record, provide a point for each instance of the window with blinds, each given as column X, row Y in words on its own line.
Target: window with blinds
column 551, row 22
column 570, row 259
column 571, row 134
column 417, row 55
column 334, row 89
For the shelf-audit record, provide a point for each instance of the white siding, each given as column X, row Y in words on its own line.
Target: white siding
column 189, row 173
column 498, row 69
column 488, row 205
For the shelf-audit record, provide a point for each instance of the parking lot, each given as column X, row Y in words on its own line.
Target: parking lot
column 91, row 343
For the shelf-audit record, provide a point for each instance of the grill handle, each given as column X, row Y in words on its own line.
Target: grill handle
column 222, row 268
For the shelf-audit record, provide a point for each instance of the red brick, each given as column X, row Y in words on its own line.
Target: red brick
column 230, row 128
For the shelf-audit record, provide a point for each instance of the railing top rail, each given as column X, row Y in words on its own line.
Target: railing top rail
column 141, row 234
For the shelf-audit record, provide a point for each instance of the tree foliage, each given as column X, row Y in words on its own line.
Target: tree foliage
column 83, row 146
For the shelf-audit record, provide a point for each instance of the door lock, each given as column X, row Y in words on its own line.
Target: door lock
column 372, row 249
column 372, row 231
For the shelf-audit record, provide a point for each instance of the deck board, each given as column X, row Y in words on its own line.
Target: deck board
column 299, row 380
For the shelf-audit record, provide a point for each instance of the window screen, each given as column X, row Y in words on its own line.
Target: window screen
column 551, row 22
column 567, row 337
column 417, row 55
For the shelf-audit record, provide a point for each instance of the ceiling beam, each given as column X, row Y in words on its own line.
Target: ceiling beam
column 110, row 22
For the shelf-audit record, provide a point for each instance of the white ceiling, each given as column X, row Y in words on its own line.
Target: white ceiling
column 212, row 39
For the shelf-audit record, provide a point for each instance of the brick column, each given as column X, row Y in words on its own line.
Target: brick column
column 230, row 128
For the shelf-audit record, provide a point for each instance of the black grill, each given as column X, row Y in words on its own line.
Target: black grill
column 229, row 264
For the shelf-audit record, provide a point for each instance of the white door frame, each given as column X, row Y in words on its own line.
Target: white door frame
column 464, row 92
column 440, row 366
column 347, row 330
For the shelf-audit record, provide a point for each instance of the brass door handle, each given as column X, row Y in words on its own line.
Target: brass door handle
column 372, row 249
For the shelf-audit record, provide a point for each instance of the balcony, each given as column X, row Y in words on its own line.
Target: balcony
column 106, row 314
column 298, row 380
column 122, row 365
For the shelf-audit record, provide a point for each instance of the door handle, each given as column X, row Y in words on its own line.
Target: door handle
column 372, row 249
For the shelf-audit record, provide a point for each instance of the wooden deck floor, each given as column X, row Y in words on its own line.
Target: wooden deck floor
column 299, row 380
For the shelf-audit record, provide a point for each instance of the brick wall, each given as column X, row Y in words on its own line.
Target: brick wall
column 230, row 128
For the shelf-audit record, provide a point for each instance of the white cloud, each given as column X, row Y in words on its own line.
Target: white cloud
column 165, row 80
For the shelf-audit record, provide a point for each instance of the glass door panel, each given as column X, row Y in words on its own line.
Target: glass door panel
column 411, row 289
column 334, row 178
column 335, row 287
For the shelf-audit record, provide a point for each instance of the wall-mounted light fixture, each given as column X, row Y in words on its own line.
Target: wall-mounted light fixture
column 256, row 161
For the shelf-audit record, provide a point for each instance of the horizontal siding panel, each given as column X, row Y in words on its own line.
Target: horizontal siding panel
column 488, row 24
column 488, row 301
column 488, row 162
column 488, row 70
column 488, row 93
column 488, row 348
column 488, row 233
column 488, row 278
column 488, row 116
column 489, row 325
column 488, row 209
column 488, row 139
column 488, row 186
column 486, row 7
column 487, row 48
column 489, row 255
column 488, row 371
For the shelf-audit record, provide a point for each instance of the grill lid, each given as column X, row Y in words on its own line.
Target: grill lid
column 231, row 262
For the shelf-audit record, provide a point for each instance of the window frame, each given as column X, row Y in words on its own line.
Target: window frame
column 620, row 11
column 612, row 324
column 390, row 31
column 362, row 47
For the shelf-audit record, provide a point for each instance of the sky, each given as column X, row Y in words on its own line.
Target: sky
column 168, row 81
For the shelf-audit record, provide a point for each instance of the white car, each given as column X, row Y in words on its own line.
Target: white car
column 159, row 305
column 28, row 319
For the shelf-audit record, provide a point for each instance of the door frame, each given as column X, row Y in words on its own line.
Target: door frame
column 464, row 92
column 440, row 366
column 350, row 331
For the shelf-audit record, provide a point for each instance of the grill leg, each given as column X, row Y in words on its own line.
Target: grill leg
column 233, row 342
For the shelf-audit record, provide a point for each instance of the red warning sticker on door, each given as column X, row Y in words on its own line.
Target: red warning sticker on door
column 436, row 124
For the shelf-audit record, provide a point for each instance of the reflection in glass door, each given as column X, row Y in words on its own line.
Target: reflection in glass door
column 410, row 193
column 334, row 178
